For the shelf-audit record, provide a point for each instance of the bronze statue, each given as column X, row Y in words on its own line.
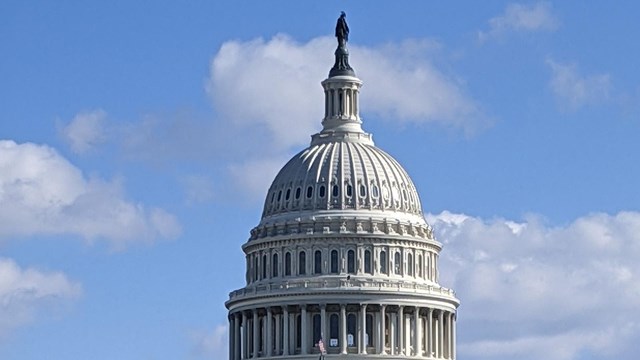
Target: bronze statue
column 341, row 66
column 342, row 29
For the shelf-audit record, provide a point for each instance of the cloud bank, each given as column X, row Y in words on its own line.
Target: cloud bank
column 532, row 291
column 26, row 292
column 42, row 193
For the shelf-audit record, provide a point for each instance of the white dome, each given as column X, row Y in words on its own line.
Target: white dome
column 341, row 175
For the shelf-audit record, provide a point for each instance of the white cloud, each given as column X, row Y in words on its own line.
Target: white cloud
column 533, row 291
column 573, row 90
column 522, row 18
column 26, row 292
column 85, row 131
column 212, row 344
column 274, row 86
column 42, row 193
column 254, row 177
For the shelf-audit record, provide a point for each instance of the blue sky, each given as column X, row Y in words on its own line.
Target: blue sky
column 138, row 141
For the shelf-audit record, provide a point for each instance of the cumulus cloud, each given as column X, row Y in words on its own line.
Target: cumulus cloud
column 274, row 85
column 42, row 193
column 521, row 18
column 574, row 90
column 255, row 176
column 533, row 291
column 211, row 344
column 85, row 131
column 24, row 293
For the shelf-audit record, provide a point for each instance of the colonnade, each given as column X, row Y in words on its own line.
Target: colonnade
column 341, row 102
column 380, row 329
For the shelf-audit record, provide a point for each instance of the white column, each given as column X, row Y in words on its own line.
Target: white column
column 268, row 339
column 236, row 337
column 285, row 324
column 392, row 333
column 278, row 320
column 256, row 333
column 429, row 330
column 383, row 319
column 440, row 333
column 453, row 336
column 401, row 330
column 343, row 329
column 417, row 333
column 231, row 337
column 278, row 335
column 363, row 330
column 245, row 337
column 303, row 323
column 323, row 321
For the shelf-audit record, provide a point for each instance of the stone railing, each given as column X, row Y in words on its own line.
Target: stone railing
column 293, row 286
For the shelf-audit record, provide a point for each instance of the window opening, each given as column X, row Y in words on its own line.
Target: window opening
column 274, row 266
column 334, row 261
column 367, row 262
column 309, row 192
column 298, row 190
column 287, row 264
column 302, row 263
column 322, row 191
column 264, row 266
column 317, row 262
column 351, row 262
column 383, row 262
column 397, row 263
column 335, row 191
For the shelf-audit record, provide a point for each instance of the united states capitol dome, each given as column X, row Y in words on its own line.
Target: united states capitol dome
column 342, row 261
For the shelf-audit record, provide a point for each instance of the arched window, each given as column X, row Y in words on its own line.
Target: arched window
column 255, row 268
column 374, row 191
column 419, row 265
column 351, row 262
column 309, row 192
column 279, row 195
column 334, row 261
column 317, row 328
column 302, row 263
column 352, row 339
column 288, row 195
column 367, row 262
column 397, row 263
column 274, row 265
column 287, row 264
column 334, row 326
column 335, row 191
column 349, row 190
column 298, row 190
column 317, row 262
column 383, row 262
column 322, row 191
column 409, row 264
column 264, row 266
column 363, row 191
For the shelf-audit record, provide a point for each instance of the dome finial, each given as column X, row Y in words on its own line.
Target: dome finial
column 342, row 67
